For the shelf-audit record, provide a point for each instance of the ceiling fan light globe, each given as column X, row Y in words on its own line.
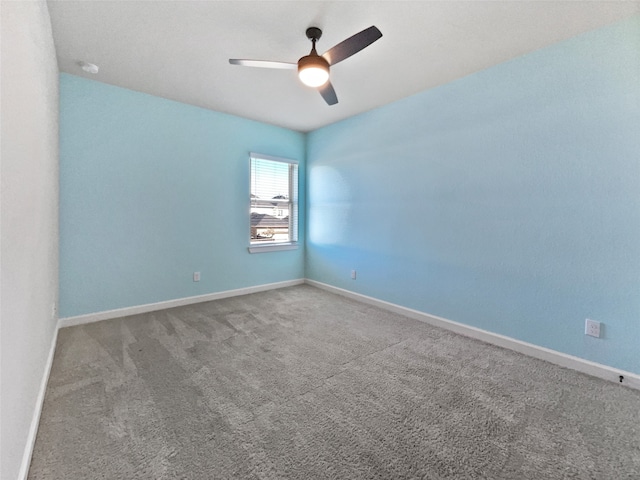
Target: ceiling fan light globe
column 313, row 76
column 313, row 70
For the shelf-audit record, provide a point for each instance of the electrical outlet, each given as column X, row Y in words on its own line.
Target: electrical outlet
column 353, row 274
column 196, row 276
column 592, row 328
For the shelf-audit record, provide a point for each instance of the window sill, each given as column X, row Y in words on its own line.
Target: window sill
column 272, row 247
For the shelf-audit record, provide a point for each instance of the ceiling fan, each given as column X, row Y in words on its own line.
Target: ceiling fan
column 313, row 69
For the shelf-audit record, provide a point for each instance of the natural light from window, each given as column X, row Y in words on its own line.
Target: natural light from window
column 274, row 202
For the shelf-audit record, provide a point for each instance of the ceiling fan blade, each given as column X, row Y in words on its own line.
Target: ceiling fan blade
column 328, row 93
column 352, row 45
column 262, row 63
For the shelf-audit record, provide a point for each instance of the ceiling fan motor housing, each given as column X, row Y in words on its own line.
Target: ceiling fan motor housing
column 313, row 70
column 313, row 61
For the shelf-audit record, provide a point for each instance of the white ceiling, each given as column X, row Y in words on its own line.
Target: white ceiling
column 180, row 49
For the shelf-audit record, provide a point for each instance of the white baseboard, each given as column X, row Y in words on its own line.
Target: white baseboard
column 179, row 302
column 35, row 420
column 594, row 369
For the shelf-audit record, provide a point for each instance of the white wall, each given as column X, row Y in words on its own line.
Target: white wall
column 28, row 221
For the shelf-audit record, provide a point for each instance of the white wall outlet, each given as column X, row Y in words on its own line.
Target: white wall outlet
column 54, row 310
column 196, row 276
column 592, row 328
column 353, row 274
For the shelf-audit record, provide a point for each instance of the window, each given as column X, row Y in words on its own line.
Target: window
column 274, row 203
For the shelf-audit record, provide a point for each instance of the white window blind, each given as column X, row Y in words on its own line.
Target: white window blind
column 274, row 201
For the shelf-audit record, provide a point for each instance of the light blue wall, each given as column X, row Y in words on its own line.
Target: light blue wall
column 153, row 190
column 508, row 200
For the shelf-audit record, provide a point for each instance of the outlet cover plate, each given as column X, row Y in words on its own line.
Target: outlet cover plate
column 592, row 328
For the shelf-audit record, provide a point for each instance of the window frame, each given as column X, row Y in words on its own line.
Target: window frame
column 292, row 205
